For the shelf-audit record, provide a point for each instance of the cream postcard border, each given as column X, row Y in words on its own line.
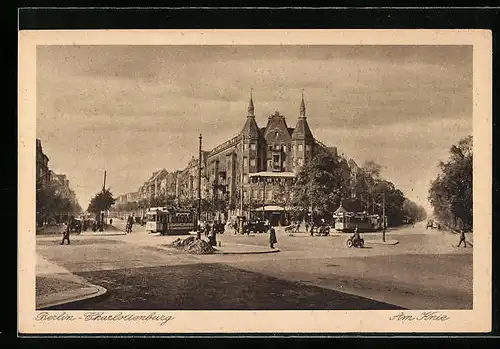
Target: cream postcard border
column 476, row 320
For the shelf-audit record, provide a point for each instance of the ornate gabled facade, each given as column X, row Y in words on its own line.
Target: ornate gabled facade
column 248, row 170
column 256, row 160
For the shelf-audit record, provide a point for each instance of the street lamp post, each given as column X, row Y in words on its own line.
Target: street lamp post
column 263, row 196
column 383, row 217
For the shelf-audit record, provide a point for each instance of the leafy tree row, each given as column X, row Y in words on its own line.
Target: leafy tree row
column 450, row 194
column 54, row 200
column 323, row 183
column 327, row 181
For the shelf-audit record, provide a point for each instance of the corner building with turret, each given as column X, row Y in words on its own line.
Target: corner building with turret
column 259, row 163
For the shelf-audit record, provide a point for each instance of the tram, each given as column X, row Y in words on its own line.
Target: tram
column 170, row 221
column 348, row 221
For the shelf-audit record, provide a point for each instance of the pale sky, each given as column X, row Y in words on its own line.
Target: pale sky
column 132, row 110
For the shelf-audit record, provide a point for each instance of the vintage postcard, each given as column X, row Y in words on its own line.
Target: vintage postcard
column 254, row 181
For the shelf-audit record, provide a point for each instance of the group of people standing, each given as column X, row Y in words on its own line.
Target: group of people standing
column 210, row 230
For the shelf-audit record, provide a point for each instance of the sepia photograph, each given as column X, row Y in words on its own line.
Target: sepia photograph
column 168, row 178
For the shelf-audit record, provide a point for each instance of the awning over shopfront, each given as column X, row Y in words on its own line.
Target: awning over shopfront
column 268, row 208
column 272, row 174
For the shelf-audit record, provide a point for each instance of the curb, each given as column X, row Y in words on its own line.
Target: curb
column 68, row 297
column 103, row 234
column 250, row 252
column 374, row 242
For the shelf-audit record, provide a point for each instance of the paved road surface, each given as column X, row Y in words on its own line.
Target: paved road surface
column 424, row 271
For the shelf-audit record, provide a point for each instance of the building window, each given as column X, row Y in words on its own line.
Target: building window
column 269, row 195
column 245, row 162
column 245, row 178
column 276, row 161
column 301, row 147
column 253, row 146
column 252, row 162
column 270, row 147
column 300, row 162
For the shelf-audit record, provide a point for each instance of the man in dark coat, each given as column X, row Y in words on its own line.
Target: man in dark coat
column 272, row 237
column 130, row 223
column 462, row 238
column 356, row 237
column 67, row 230
column 208, row 228
column 213, row 236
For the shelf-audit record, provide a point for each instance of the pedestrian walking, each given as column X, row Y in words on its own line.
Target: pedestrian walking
column 67, row 231
column 111, row 221
column 213, row 237
column 272, row 237
column 462, row 238
column 208, row 228
column 130, row 223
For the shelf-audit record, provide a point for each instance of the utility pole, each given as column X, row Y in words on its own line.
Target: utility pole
column 198, row 232
column 383, row 216
column 311, row 205
column 101, row 214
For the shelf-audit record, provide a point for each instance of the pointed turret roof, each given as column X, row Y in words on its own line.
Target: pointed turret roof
column 251, row 108
column 250, row 129
column 302, row 130
column 302, row 107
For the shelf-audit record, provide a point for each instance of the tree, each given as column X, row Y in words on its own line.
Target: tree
column 450, row 194
column 319, row 183
column 102, row 201
column 162, row 200
column 372, row 169
column 53, row 199
column 394, row 199
column 283, row 196
column 412, row 210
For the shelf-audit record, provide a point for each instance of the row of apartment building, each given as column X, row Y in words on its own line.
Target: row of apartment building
column 252, row 164
column 44, row 175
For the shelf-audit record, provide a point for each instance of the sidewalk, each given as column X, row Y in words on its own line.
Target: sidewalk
column 56, row 285
column 156, row 240
column 234, row 248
